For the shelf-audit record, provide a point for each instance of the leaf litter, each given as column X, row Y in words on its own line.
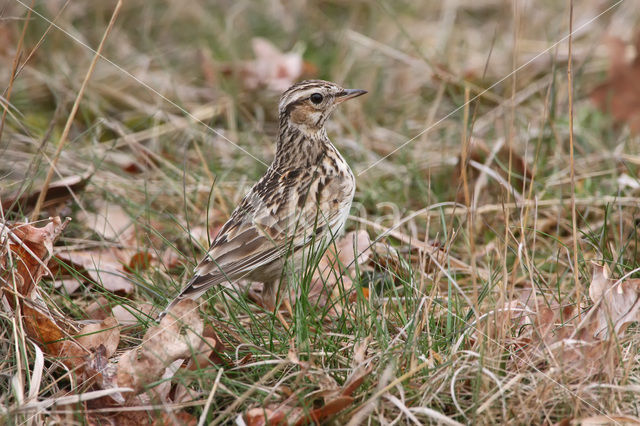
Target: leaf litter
column 91, row 351
column 143, row 372
column 561, row 340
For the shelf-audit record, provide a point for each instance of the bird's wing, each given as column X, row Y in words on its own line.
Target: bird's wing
column 257, row 234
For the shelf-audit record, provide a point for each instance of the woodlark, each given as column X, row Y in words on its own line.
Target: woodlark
column 296, row 208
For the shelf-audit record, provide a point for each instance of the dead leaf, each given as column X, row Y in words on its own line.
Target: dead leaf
column 331, row 408
column 59, row 192
column 102, row 266
column 70, row 285
column 271, row 68
column 620, row 93
column 89, row 351
column 607, row 420
column 176, row 418
column 119, row 416
column 556, row 337
column 110, row 221
column 31, row 248
column 210, row 350
column 106, row 333
column 54, row 338
column 129, row 315
column 99, row 309
column 617, row 304
column 264, row 416
column 177, row 335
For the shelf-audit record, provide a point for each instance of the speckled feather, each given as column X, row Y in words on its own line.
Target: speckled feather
column 301, row 202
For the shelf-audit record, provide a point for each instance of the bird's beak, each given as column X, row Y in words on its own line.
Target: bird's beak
column 349, row 94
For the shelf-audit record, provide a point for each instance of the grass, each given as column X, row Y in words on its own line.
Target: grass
column 434, row 342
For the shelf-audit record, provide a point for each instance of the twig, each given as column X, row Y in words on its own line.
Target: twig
column 572, row 167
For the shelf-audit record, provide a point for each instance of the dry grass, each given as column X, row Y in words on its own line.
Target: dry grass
column 438, row 348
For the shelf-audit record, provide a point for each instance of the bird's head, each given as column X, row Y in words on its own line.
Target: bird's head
column 308, row 104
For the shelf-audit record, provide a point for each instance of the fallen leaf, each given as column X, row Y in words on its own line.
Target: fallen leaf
column 110, row 221
column 210, row 350
column 177, row 335
column 106, row 333
column 70, row 285
column 620, row 93
column 102, row 266
column 176, row 418
column 131, row 315
column 99, row 309
column 331, row 408
column 90, row 351
column 271, row 68
column 31, row 248
column 607, row 420
column 59, row 192
column 556, row 337
column 617, row 304
column 54, row 338
column 264, row 416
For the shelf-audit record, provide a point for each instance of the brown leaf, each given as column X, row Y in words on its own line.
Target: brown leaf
column 176, row 418
column 103, row 266
column 620, row 93
column 128, row 315
column 54, row 339
column 111, row 222
column 106, row 334
column 617, row 305
column 210, row 350
column 177, row 335
column 329, row 409
column 271, row 68
column 355, row 380
column 99, row 309
column 59, row 192
column 117, row 417
column 31, row 248
column 554, row 336
column 140, row 261
column 70, row 285
column 264, row 416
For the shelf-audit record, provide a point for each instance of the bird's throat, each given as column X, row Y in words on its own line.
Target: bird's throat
column 298, row 146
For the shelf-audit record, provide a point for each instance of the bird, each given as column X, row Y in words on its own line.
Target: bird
column 295, row 210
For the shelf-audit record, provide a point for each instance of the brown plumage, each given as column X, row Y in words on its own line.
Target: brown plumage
column 300, row 204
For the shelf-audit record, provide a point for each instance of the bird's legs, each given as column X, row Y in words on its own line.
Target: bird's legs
column 270, row 297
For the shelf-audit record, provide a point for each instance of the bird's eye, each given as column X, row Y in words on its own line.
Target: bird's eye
column 316, row 98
